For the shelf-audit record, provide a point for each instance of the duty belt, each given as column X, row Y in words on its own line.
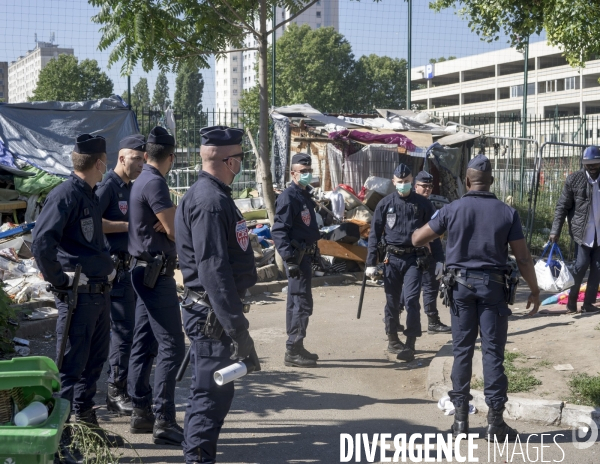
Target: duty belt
column 399, row 251
column 168, row 266
column 94, row 288
column 123, row 258
column 200, row 298
column 486, row 276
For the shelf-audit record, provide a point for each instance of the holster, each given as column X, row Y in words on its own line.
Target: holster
column 512, row 283
column 152, row 270
column 423, row 259
column 381, row 250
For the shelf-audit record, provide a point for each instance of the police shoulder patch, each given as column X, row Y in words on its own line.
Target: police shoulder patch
column 87, row 228
column 123, row 207
column 241, row 234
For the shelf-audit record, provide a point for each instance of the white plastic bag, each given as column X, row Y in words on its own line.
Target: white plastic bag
column 552, row 274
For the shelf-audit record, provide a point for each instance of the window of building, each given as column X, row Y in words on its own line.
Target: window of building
column 234, row 81
column 225, row 81
column 318, row 25
column 318, row 2
column 517, row 90
column 234, row 69
column 234, row 91
column 1, row 94
column 318, row 14
column 283, row 15
column 245, row 79
column 235, row 103
column 234, row 58
column 571, row 83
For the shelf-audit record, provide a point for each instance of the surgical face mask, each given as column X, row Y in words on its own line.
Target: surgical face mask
column 403, row 189
column 105, row 169
column 236, row 176
column 305, row 178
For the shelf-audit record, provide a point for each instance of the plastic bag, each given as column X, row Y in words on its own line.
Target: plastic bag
column 552, row 274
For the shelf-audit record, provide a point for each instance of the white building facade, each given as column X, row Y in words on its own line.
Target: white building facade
column 491, row 84
column 23, row 73
column 236, row 72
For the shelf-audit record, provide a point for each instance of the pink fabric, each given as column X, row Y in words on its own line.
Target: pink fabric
column 370, row 137
column 580, row 298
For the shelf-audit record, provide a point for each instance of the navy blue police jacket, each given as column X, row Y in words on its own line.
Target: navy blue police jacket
column 68, row 232
column 149, row 196
column 295, row 219
column 479, row 229
column 113, row 196
column 397, row 218
column 214, row 249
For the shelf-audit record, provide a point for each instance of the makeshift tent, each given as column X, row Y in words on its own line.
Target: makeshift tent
column 43, row 133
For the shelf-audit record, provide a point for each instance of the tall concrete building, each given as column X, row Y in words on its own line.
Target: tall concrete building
column 235, row 72
column 4, row 81
column 23, row 73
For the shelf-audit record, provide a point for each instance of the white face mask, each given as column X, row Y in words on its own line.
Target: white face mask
column 235, row 176
column 105, row 169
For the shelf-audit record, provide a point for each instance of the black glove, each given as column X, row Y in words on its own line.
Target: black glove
column 439, row 270
column 242, row 346
column 293, row 270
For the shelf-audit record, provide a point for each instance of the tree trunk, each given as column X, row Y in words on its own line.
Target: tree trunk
column 263, row 136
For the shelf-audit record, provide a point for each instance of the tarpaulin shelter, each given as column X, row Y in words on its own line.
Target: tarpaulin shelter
column 43, row 133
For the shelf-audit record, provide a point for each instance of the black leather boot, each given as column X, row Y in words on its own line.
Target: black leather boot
column 294, row 358
column 461, row 420
column 307, row 354
column 394, row 344
column 117, row 400
column 436, row 327
column 498, row 428
column 89, row 418
column 67, row 453
column 167, row 432
column 408, row 353
column 142, row 420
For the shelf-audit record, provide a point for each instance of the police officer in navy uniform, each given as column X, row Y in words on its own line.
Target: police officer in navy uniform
column 480, row 227
column 158, row 329
column 295, row 233
column 113, row 194
column 68, row 232
column 395, row 218
column 429, row 283
column 217, row 264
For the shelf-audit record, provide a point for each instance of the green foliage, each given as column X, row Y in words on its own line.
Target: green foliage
column 381, row 82
column 66, row 79
column 519, row 378
column 573, row 25
column 140, row 95
column 160, row 97
column 7, row 329
column 189, row 86
column 441, row 59
column 585, row 389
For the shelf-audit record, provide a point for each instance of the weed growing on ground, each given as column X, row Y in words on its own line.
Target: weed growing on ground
column 585, row 389
column 519, row 378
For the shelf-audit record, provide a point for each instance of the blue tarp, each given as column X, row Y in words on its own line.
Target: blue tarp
column 43, row 133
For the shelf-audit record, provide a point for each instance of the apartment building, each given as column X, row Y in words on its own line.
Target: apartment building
column 491, row 84
column 236, row 72
column 23, row 73
column 3, row 81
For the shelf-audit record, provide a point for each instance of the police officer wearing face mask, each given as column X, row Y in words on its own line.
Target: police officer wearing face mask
column 480, row 227
column 429, row 282
column 113, row 194
column 217, row 265
column 158, row 329
column 395, row 218
column 68, row 232
column 295, row 233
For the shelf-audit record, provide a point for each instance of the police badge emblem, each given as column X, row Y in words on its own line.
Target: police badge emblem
column 391, row 219
column 305, row 216
column 87, row 228
column 241, row 233
column 123, row 206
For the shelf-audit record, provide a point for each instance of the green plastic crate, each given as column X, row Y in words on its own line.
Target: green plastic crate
column 36, row 375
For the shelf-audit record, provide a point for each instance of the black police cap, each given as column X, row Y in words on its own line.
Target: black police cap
column 425, row 177
column 159, row 135
column 221, row 136
column 480, row 163
column 87, row 144
column 301, row 158
column 402, row 171
column 133, row 142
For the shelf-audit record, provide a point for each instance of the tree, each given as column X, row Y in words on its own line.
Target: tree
column 381, row 82
column 314, row 66
column 140, row 95
column 189, row 86
column 66, row 79
column 441, row 59
column 573, row 25
column 160, row 97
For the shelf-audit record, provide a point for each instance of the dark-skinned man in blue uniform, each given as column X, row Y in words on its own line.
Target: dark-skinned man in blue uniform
column 429, row 283
column 480, row 227
column 395, row 218
column 113, row 195
column 295, row 233
column 158, row 329
column 217, row 264
column 68, row 232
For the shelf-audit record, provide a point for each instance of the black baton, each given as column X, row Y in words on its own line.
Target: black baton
column 184, row 364
column 362, row 294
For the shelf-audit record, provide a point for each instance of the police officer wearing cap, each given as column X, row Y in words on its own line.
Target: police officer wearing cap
column 480, row 227
column 158, row 329
column 395, row 218
column 68, row 232
column 429, row 282
column 295, row 233
column 217, row 264
column 113, row 195
column 580, row 202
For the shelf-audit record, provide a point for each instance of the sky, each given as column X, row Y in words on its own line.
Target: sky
column 379, row 28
